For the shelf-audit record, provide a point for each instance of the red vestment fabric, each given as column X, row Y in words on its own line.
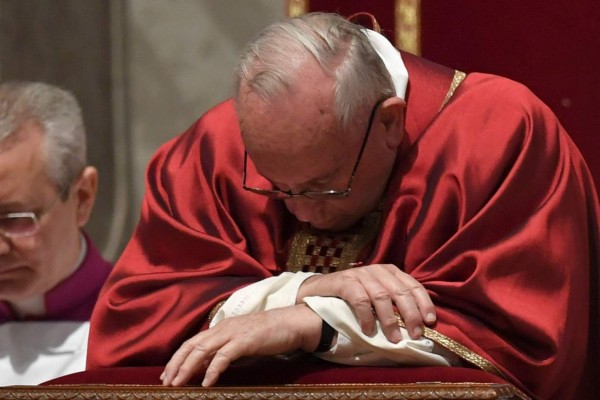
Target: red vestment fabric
column 490, row 207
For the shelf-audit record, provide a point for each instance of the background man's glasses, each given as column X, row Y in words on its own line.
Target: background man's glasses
column 320, row 194
column 22, row 224
column 19, row 224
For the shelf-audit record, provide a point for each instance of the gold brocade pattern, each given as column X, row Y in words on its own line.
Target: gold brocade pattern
column 324, row 252
column 456, row 81
column 408, row 25
column 458, row 349
column 297, row 7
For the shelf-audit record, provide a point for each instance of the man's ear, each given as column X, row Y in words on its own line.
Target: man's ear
column 85, row 194
column 392, row 118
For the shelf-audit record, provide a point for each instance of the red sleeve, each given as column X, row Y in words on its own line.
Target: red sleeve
column 494, row 212
column 195, row 243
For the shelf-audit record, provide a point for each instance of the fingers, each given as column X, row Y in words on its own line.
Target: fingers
column 197, row 353
column 362, row 305
column 413, row 303
column 217, row 366
column 348, row 285
column 383, row 310
column 374, row 290
column 367, row 290
column 188, row 360
column 409, row 311
column 426, row 307
column 267, row 333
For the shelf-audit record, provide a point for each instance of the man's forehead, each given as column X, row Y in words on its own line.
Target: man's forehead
column 22, row 168
column 298, row 115
column 287, row 124
column 24, row 131
column 27, row 190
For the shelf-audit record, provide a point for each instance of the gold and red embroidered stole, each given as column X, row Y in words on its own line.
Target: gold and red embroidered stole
column 313, row 250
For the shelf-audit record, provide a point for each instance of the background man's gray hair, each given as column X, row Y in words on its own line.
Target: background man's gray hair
column 57, row 112
column 269, row 64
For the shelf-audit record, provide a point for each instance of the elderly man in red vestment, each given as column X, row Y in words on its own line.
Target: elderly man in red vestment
column 360, row 203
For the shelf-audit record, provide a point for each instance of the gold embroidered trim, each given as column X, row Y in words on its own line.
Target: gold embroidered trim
column 456, row 81
column 302, row 391
column 324, row 252
column 215, row 310
column 458, row 349
column 297, row 7
column 408, row 25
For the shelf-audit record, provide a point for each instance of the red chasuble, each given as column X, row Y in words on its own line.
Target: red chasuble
column 490, row 207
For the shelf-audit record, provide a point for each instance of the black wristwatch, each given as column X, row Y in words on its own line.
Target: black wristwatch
column 326, row 339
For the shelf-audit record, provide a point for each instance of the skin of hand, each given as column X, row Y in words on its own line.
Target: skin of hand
column 287, row 329
column 373, row 291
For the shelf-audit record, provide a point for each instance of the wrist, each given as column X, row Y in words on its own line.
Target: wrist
column 304, row 289
column 311, row 327
column 326, row 339
column 318, row 336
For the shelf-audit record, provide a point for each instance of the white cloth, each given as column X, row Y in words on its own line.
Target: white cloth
column 274, row 292
column 352, row 347
column 392, row 60
column 34, row 352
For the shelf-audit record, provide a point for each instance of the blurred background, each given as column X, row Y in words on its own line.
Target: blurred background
column 145, row 70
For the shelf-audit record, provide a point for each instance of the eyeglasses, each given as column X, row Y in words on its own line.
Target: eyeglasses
column 279, row 194
column 19, row 224
column 22, row 224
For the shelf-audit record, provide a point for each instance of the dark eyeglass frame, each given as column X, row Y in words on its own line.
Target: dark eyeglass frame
column 279, row 194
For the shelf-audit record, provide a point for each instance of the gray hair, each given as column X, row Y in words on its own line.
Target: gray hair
column 269, row 63
column 59, row 115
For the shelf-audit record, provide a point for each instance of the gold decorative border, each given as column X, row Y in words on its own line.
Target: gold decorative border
column 408, row 25
column 407, row 28
column 456, row 81
column 297, row 7
column 412, row 391
column 458, row 349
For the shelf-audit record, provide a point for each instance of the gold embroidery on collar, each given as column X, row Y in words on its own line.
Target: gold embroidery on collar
column 456, row 81
column 324, row 252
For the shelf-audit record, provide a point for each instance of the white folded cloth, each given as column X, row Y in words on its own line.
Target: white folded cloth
column 352, row 347
column 35, row 352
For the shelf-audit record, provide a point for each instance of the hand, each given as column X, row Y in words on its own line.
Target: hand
column 271, row 332
column 373, row 291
